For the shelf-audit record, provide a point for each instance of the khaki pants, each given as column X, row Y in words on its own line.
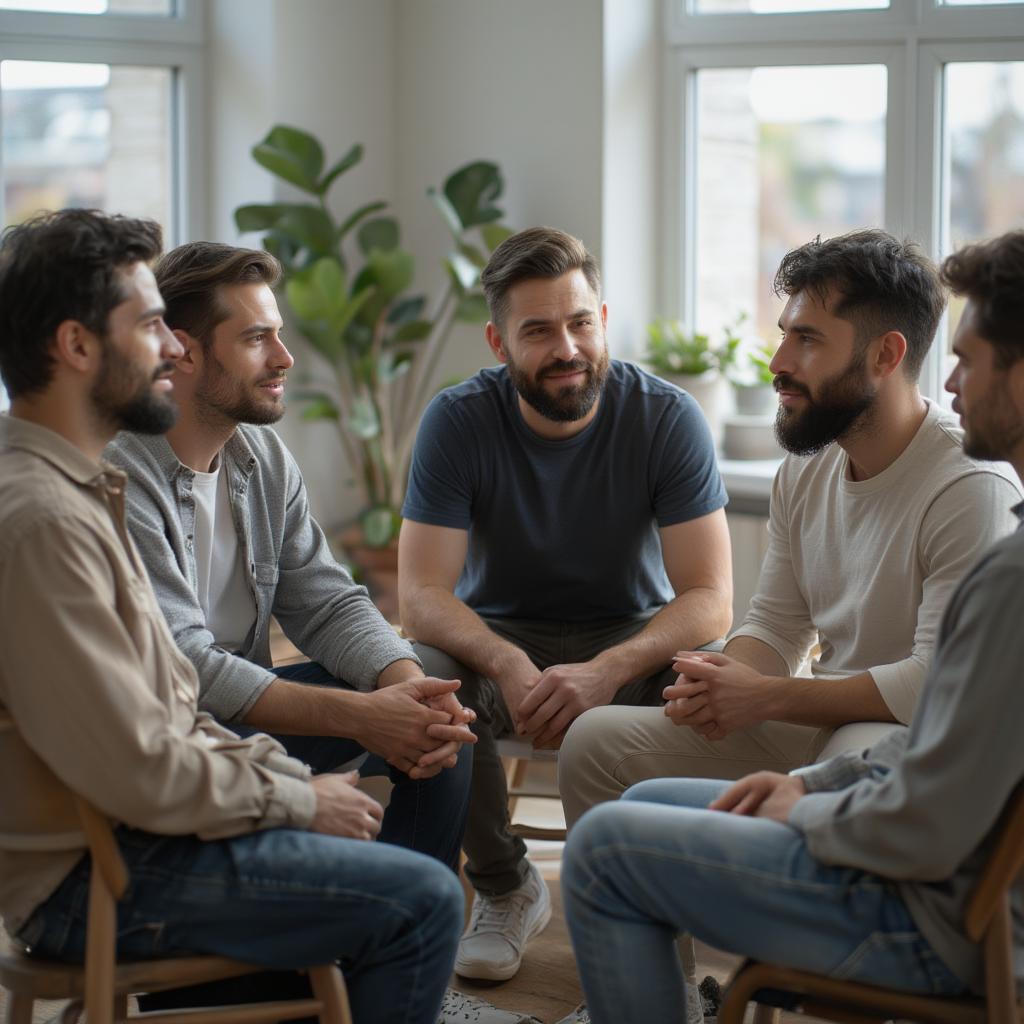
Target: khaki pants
column 609, row 749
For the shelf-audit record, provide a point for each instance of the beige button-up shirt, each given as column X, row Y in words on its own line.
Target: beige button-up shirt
column 94, row 694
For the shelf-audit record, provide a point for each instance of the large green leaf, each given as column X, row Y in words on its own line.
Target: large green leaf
column 362, row 420
column 350, row 159
column 463, row 272
column 309, row 226
column 448, row 212
column 412, row 330
column 319, row 291
column 390, row 272
column 321, row 409
column 473, row 254
column 258, row 216
column 407, row 309
column 354, row 218
column 471, row 191
column 494, row 235
column 472, row 309
column 379, row 233
column 291, row 154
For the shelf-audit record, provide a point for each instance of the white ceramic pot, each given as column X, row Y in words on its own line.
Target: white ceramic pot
column 756, row 399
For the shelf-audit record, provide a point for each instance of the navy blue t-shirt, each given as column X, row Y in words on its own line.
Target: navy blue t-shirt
column 563, row 530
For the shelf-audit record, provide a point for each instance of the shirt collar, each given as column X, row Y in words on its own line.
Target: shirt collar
column 58, row 451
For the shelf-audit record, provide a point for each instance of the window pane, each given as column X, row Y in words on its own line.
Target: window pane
column 93, row 135
column 783, row 6
column 983, row 157
column 783, row 155
column 163, row 8
column 978, row 3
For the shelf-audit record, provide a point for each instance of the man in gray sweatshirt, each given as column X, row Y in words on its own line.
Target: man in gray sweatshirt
column 859, row 867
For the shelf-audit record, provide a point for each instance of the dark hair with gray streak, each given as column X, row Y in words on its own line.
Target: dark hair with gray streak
column 882, row 285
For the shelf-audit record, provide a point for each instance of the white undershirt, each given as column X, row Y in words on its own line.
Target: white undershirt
column 222, row 586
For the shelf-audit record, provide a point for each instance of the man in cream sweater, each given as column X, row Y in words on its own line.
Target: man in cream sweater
column 876, row 516
column 860, row 867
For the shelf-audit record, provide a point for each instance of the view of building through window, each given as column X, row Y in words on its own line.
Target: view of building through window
column 92, row 135
column 983, row 156
column 783, row 154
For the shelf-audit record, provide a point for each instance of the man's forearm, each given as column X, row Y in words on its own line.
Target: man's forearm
column 694, row 618
column 435, row 616
column 757, row 654
column 825, row 702
column 293, row 709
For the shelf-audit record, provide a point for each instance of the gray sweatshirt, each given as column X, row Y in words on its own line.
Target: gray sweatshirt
column 920, row 806
column 290, row 569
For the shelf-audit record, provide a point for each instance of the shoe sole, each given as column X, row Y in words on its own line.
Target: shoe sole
column 486, row 972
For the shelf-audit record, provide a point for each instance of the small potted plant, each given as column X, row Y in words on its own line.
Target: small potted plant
column 754, row 386
column 689, row 360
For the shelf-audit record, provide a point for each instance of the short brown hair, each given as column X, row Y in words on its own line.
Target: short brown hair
column 190, row 276
column 991, row 275
column 534, row 253
column 883, row 284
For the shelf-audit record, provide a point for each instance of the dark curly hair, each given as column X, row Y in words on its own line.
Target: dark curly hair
column 62, row 266
column 883, row 285
column 991, row 275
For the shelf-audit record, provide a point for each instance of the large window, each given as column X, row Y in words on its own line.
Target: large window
column 793, row 118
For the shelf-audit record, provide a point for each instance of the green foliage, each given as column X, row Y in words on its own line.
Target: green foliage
column 672, row 349
column 348, row 285
column 759, row 359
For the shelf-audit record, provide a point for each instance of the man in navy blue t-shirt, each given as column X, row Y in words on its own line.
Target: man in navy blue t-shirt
column 564, row 536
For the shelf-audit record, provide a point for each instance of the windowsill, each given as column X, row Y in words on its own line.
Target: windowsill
column 749, row 483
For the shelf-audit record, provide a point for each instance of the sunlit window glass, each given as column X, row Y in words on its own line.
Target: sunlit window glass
column 92, row 135
column 783, row 154
column 983, row 156
column 152, row 7
column 783, row 6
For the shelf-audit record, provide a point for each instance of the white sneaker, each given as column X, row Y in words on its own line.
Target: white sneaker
column 458, row 1008
column 499, row 929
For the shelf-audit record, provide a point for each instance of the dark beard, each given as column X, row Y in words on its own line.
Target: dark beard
column 841, row 403
column 142, row 411
column 567, row 404
column 217, row 400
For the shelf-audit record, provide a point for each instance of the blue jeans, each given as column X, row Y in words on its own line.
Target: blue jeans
column 657, row 864
column 427, row 815
column 285, row 899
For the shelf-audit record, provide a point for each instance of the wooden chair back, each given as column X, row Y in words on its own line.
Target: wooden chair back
column 988, row 921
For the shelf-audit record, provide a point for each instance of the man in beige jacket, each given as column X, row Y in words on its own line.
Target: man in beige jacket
column 232, row 848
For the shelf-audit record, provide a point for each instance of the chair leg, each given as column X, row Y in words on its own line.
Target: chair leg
column 329, row 987
column 120, row 1008
column 767, row 1014
column 19, row 1008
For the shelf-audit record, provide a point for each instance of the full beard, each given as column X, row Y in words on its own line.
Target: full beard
column 839, row 409
column 124, row 397
column 567, row 404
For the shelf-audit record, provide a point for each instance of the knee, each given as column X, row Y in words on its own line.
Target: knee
column 584, row 743
column 595, row 830
column 441, row 905
column 439, row 663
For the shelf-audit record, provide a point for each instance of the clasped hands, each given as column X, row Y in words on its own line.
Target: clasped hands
column 715, row 695
column 544, row 704
column 418, row 725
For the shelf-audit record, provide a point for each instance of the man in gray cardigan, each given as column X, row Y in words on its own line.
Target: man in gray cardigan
column 860, row 867
column 220, row 514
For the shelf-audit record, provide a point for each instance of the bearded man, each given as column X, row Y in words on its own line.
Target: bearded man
column 563, row 536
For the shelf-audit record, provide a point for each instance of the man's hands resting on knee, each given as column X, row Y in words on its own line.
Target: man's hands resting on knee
column 762, row 795
column 342, row 810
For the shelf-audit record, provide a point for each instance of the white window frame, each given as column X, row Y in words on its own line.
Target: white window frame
column 914, row 39
column 176, row 41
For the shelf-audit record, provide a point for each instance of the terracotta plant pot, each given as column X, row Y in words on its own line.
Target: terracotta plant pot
column 377, row 569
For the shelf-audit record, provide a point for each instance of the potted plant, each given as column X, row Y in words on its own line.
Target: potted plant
column 688, row 359
column 348, row 285
column 754, row 389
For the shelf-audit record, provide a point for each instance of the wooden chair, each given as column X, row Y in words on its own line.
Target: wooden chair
column 103, row 986
column 516, row 756
column 988, row 922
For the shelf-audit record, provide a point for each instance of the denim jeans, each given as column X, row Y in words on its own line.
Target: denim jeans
column 657, row 864
column 427, row 815
column 283, row 898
